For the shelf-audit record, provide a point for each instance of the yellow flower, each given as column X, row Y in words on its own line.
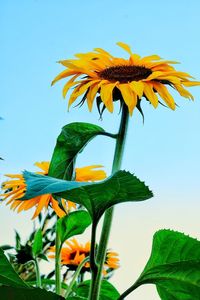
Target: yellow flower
column 73, row 254
column 118, row 78
column 15, row 189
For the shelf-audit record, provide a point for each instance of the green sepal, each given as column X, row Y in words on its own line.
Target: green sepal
column 72, row 224
column 71, row 141
column 121, row 187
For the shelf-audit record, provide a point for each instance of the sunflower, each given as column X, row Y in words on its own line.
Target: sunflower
column 16, row 187
column 127, row 80
column 73, row 254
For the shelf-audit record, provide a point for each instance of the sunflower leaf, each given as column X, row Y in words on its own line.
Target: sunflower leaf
column 8, row 276
column 174, row 266
column 107, row 292
column 96, row 197
column 11, row 293
column 72, row 224
column 71, row 141
column 37, row 243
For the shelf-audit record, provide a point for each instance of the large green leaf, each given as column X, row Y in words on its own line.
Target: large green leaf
column 37, row 243
column 11, row 293
column 8, row 276
column 108, row 291
column 174, row 266
column 72, row 224
column 71, row 141
column 96, row 197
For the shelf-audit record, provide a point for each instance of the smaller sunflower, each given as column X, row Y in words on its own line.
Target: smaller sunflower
column 16, row 187
column 74, row 253
column 101, row 76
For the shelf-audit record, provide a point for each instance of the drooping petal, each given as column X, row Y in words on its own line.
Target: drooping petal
column 79, row 90
column 190, row 83
column 164, row 94
column 107, row 96
column 64, row 74
column 137, row 87
column 149, row 93
column 183, row 92
column 91, row 95
column 130, row 98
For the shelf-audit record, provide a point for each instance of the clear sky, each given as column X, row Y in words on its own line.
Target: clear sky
column 164, row 151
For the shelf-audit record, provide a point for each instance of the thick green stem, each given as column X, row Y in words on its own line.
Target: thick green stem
column 37, row 271
column 76, row 274
column 119, row 150
column 93, row 265
column 58, row 263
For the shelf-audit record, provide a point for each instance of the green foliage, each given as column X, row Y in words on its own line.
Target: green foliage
column 96, row 197
column 71, row 141
column 174, row 266
column 10, row 293
column 37, row 243
column 73, row 224
column 108, row 291
column 8, row 276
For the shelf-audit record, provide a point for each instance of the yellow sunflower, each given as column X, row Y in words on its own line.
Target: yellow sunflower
column 15, row 189
column 73, row 254
column 122, row 79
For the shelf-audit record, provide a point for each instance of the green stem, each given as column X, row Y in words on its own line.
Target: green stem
column 119, row 150
column 37, row 271
column 129, row 290
column 93, row 265
column 58, row 263
column 76, row 275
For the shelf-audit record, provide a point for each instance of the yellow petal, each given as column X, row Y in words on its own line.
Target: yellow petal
column 130, row 98
column 63, row 74
column 164, row 94
column 125, row 47
column 149, row 93
column 43, row 202
column 69, row 84
column 190, row 83
column 102, row 51
column 183, row 92
column 137, row 87
column 79, row 90
column 91, row 95
column 107, row 96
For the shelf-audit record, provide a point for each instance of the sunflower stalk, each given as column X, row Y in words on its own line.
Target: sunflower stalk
column 58, row 263
column 117, row 160
column 76, row 274
column 37, row 272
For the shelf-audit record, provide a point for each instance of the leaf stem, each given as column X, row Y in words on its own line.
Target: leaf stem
column 76, row 275
column 37, row 271
column 118, row 155
column 129, row 290
column 58, row 263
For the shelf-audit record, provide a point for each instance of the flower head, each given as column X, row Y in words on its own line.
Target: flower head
column 107, row 78
column 74, row 252
column 16, row 187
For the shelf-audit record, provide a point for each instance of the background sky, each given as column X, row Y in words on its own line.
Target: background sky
column 164, row 151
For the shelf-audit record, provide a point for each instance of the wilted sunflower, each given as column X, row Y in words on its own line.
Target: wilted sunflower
column 16, row 187
column 74, row 253
column 127, row 80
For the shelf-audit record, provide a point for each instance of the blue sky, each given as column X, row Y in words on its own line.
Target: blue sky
column 164, row 151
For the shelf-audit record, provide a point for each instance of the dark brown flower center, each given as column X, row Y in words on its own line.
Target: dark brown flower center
column 125, row 73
